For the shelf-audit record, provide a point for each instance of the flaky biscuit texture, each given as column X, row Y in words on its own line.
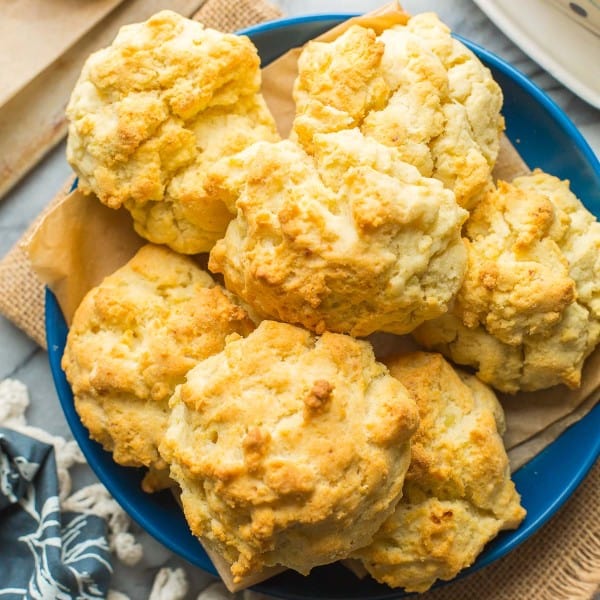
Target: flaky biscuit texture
column 413, row 87
column 457, row 493
column 132, row 340
column 517, row 282
column 289, row 449
column 528, row 312
column 151, row 113
column 351, row 240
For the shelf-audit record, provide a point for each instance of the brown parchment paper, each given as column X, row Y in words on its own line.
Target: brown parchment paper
column 81, row 241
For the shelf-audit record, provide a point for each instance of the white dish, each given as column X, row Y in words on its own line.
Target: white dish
column 567, row 50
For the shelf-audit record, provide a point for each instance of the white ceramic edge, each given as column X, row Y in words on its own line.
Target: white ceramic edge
column 493, row 10
column 591, row 22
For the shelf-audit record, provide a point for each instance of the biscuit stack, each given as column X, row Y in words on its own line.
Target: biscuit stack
column 254, row 389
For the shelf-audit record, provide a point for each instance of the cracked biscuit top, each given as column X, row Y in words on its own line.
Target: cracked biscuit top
column 150, row 114
column 290, row 449
column 351, row 239
column 413, row 87
column 457, row 492
column 133, row 339
column 528, row 313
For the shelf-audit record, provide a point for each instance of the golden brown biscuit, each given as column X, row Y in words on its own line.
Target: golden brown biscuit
column 517, row 282
column 415, row 88
column 338, row 84
column 153, row 111
column 457, row 492
column 133, row 339
column 528, row 313
column 289, row 449
column 351, row 240
column 470, row 83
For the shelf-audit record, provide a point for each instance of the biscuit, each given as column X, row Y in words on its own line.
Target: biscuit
column 457, row 492
column 351, row 239
column 132, row 340
column 414, row 87
column 150, row 114
column 517, row 282
column 290, row 449
column 528, row 313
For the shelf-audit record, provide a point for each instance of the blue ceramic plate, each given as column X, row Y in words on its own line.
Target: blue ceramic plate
column 545, row 138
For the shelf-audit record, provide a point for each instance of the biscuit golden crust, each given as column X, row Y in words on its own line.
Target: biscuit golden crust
column 351, row 240
column 289, row 449
column 189, row 219
column 517, row 282
column 457, row 492
column 470, row 83
column 414, row 88
column 151, row 112
column 132, row 340
column 528, row 313
column 338, row 83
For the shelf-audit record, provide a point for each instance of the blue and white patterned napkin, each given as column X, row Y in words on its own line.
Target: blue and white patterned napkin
column 45, row 553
